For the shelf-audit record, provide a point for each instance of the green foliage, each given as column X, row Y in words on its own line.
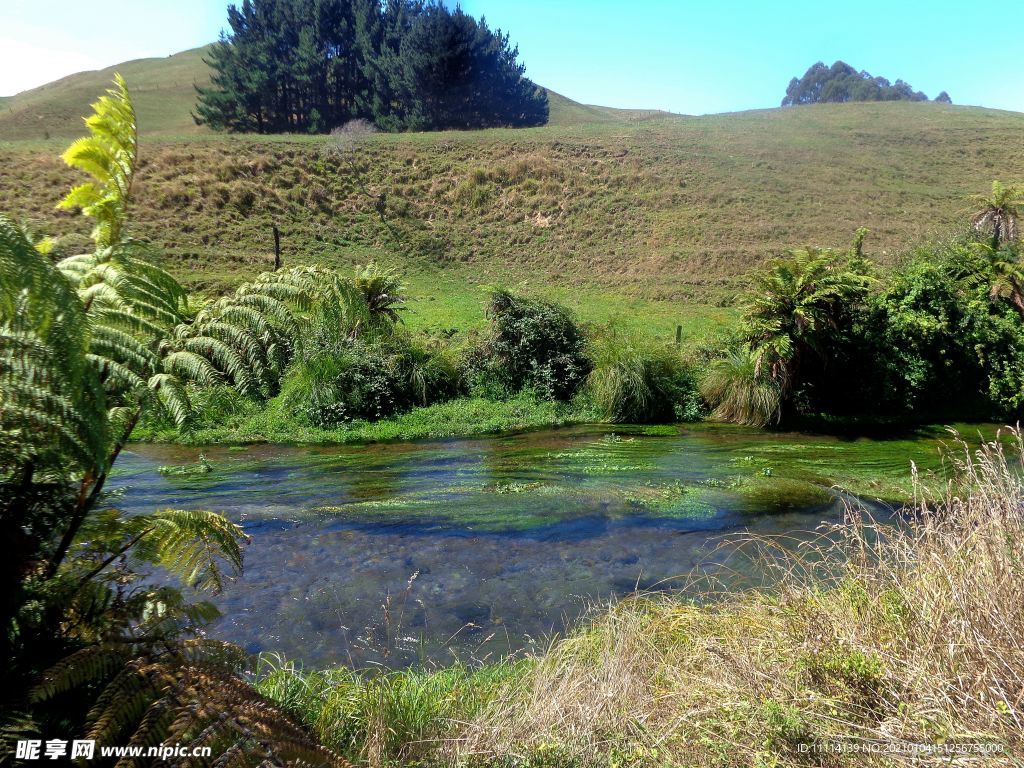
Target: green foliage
column 52, row 407
column 452, row 418
column 82, row 353
column 530, row 343
column 248, row 338
column 392, row 717
column 844, row 669
column 192, row 545
column 933, row 343
column 999, row 211
column 368, row 380
column 999, row 270
column 842, row 83
column 404, row 64
column 382, row 290
column 108, row 154
column 796, row 302
column 740, row 392
column 637, row 383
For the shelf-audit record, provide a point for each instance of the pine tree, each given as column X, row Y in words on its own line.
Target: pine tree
column 313, row 65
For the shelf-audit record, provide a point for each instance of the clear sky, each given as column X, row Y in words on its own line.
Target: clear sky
column 683, row 56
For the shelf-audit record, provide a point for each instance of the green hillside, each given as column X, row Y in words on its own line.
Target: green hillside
column 164, row 93
column 163, row 89
column 665, row 208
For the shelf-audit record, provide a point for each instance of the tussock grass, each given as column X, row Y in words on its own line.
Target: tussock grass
column 384, row 718
column 636, row 381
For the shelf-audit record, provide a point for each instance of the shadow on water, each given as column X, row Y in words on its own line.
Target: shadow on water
column 413, row 552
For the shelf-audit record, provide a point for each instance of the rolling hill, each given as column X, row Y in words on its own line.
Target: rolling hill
column 667, row 208
column 164, row 92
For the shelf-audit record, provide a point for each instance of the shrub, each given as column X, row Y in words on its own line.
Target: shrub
column 932, row 344
column 530, row 343
column 368, row 380
column 636, row 384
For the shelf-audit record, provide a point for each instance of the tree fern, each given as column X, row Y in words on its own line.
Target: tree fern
column 51, row 401
column 188, row 694
column 193, row 545
column 382, row 290
column 108, row 154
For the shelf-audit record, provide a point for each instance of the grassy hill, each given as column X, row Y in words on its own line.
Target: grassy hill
column 165, row 95
column 163, row 88
column 604, row 207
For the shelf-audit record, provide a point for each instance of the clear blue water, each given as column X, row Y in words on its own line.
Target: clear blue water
column 404, row 553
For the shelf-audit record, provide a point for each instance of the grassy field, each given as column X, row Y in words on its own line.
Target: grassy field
column 648, row 217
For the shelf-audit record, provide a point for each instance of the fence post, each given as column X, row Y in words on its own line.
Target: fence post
column 277, row 248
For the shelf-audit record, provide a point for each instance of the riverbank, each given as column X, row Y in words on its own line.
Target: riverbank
column 462, row 417
column 878, row 645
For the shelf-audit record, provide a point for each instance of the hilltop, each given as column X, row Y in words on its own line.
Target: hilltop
column 653, row 205
column 165, row 96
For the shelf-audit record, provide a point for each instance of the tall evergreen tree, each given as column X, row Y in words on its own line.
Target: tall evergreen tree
column 312, row 65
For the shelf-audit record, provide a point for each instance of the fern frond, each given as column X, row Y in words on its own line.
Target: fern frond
column 108, row 154
column 194, row 545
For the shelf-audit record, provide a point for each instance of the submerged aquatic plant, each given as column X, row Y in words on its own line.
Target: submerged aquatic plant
column 893, row 635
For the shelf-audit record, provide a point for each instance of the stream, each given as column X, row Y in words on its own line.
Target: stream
column 407, row 553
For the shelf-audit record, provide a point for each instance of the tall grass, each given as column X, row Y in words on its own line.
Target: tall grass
column 638, row 382
column 385, row 718
column 739, row 392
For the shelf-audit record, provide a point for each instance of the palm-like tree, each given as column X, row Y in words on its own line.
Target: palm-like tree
column 795, row 302
column 999, row 211
column 1001, row 271
column 383, row 291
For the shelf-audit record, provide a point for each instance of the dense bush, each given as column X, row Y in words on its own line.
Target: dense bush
column 636, row 383
column 939, row 336
column 530, row 343
column 933, row 343
column 368, row 380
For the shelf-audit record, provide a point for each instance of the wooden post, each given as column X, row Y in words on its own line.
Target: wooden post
column 277, row 248
column 679, row 335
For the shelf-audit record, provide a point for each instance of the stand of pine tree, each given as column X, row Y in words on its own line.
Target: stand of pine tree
column 406, row 65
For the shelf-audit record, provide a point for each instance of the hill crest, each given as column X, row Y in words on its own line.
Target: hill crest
column 164, row 92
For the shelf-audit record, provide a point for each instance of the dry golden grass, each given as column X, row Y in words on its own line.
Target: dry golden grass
column 898, row 641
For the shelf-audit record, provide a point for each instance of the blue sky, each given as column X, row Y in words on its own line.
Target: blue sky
column 683, row 56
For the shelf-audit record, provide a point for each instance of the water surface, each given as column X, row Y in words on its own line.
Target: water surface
column 411, row 552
